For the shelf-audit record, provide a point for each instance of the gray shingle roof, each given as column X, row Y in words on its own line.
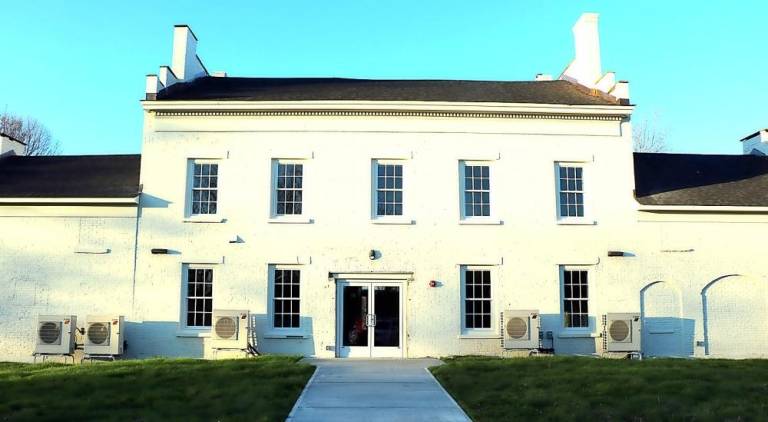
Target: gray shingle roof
column 701, row 180
column 70, row 176
column 340, row 89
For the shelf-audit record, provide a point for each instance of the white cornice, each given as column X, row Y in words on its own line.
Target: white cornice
column 703, row 208
column 62, row 201
column 386, row 109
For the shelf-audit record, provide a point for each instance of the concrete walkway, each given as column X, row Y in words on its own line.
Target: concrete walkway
column 375, row 390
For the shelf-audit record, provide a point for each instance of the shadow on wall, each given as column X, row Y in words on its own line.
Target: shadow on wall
column 668, row 337
column 735, row 316
column 150, row 339
column 294, row 342
column 565, row 342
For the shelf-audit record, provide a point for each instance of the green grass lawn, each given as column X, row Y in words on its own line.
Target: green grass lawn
column 588, row 389
column 258, row 389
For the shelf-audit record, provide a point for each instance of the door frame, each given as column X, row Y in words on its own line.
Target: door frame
column 372, row 279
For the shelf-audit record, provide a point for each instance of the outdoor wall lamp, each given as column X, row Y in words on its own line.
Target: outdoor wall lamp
column 372, row 254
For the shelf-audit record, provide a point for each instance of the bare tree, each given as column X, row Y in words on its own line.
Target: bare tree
column 30, row 131
column 647, row 137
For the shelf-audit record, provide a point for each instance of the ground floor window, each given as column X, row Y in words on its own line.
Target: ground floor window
column 286, row 302
column 575, row 297
column 477, row 298
column 199, row 297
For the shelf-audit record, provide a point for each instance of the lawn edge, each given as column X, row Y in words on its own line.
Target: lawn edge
column 301, row 395
column 453, row 400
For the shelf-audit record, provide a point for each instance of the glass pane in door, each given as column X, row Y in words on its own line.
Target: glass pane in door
column 354, row 328
column 387, row 304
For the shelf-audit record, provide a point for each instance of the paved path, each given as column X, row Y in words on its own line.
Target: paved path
column 375, row 390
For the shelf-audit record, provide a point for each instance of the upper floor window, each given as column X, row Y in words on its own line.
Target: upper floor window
column 389, row 189
column 476, row 190
column 286, row 298
column 575, row 297
column 198, row 297
column 570, row 200
column 289, row 188
column 205, row 185
column 477, row 299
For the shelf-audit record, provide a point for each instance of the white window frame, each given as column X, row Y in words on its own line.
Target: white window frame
column 493, row 331
column 290, row 331
column 585, row 171
column 184, row 288
column 492, row 218
column 390, row 219
column 202, row 218
column 274, row 217
column 590, row 291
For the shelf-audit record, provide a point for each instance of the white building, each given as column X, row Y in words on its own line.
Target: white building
column 394, row 218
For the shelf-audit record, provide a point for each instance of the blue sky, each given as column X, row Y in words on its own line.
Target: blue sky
column 696, row 68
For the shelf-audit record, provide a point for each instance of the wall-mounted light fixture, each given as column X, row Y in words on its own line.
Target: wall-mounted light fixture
column 616, row 253
column 159, row 251
column 372, row 254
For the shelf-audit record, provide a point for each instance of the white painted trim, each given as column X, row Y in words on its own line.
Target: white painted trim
column 403, row 219
column 91, row 250
column 330, row 106
column 481, row 221
column 478, row 336
column 294, row 260
column 703, row 208
column 405, row 276
column 273, row 334
column 202, row 260
column 393, row 220
column 291, row 219
column 290, row 332
column 290, row 154
column 480, row 333
column 191, row 332
column 130, row 201
column 204, row 218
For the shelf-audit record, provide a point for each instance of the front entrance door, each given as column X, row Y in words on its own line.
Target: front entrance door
column 369, row 322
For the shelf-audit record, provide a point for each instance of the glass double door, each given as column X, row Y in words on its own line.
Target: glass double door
column 369, row 319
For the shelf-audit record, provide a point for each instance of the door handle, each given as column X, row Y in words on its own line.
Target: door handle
column 370, row 320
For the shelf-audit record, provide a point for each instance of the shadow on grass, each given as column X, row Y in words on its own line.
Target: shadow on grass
column 573, row 388
column 263, row 389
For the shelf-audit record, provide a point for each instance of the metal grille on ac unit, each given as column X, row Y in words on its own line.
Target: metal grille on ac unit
column 55, row 334
column 230, row 329
column 104, row 335
column 621, row 332
column 521, row 329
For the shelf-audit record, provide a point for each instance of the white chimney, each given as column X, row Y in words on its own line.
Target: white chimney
column 756, row 143
column 185, row 64
column 585, row 68
column 11, row 146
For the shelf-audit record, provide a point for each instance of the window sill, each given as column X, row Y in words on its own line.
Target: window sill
column 479, row 336
column 193, row 333
column 576, row 222
column 578, row 334
column 281, row 335
column 290, row 220
column 204, row 219
column 480, row 222
column 393, row 220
